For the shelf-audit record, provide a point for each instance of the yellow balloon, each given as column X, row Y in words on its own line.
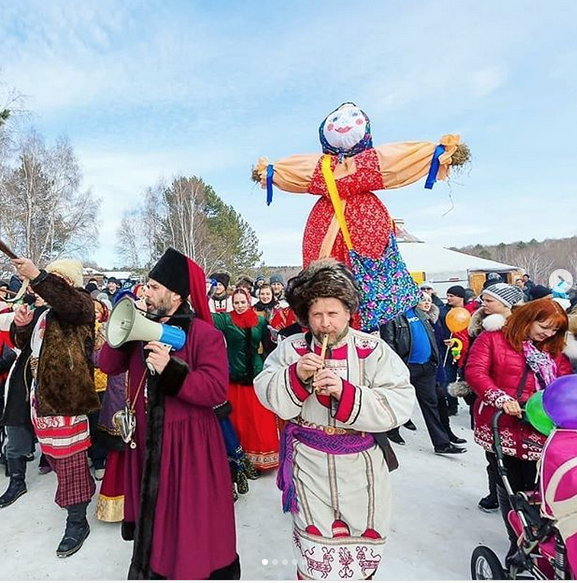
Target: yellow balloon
column 457, row 319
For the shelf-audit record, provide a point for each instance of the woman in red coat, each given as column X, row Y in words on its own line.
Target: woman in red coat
column 504, row 369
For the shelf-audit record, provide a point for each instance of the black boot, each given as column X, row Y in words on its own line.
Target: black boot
column 395, row 436
column 17, row 486
column 490, row 503
column 77, row 529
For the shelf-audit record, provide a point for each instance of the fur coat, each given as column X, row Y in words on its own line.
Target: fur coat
column 65, row 374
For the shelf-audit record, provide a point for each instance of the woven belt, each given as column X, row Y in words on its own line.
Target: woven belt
column 328, row 429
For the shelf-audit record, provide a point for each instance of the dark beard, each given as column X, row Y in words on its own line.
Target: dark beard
column 157, row 313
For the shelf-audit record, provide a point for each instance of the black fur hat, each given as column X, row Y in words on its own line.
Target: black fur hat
column 324, row 278
column 171, row 270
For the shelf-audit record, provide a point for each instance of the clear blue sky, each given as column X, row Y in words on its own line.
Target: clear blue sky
column 149, row 89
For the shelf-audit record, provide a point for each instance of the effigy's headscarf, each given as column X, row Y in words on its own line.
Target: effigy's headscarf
column 350, row 142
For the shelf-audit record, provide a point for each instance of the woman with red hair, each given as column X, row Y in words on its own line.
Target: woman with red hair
column 504, row 368
column 247, row 344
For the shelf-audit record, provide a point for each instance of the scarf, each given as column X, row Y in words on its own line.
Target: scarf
column 248, row 319
column 543, row 366
column 267, row 308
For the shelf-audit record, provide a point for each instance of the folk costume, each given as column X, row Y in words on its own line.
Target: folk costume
column 62, row 393
column 219, row 303
column 247, row 336
column 349, row 222
column 178, row 504
column 333, row 475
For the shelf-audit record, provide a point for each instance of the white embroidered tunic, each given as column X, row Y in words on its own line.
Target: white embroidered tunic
column 344, row 500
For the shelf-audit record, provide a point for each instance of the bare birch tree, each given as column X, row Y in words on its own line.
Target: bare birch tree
column 44, row 213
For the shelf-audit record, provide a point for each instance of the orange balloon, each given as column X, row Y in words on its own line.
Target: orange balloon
column 457, row 319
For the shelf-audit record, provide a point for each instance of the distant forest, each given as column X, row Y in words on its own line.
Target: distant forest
column 537, row 258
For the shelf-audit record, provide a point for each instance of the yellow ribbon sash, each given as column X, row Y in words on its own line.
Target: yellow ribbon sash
column 336, row 199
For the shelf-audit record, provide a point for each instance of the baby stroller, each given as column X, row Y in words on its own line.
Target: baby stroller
column 540, row 553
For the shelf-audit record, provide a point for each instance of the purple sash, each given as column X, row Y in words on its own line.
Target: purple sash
column 336, row 444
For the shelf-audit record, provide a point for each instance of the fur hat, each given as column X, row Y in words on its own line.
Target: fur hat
column 508, row 295
column 277, row 278
column 182, row 275
column 223, row 278
column 244, row 281
column 69, row 268
column 457, row 290
column 325, row 278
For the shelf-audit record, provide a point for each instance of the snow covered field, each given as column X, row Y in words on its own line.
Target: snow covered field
column 436, row 523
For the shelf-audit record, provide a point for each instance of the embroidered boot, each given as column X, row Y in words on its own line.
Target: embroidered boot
column 17, row 486
column 77, row 529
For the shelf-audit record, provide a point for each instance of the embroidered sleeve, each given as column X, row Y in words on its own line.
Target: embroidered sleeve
column 349, row 404
column 298, row 391
column 277, row 386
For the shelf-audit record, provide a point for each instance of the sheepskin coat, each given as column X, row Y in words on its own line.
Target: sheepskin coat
column 65, row 375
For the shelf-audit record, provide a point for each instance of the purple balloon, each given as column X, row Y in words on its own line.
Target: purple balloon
column 560, row 401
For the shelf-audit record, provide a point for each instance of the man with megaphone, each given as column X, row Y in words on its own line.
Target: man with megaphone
column 178, row 504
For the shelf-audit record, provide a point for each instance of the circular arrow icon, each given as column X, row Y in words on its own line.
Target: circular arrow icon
column 560, row 279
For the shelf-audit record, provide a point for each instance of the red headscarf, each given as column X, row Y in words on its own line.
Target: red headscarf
column 248, row 319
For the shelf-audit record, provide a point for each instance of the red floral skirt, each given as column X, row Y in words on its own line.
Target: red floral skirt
column 256, row 426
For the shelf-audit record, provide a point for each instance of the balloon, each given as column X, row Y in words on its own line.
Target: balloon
column 560, row 401
column 536, row 414
column 457, row 319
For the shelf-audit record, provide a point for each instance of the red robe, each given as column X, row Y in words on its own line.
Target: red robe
column 190, row 530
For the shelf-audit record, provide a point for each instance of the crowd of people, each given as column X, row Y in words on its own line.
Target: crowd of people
column 271, row 376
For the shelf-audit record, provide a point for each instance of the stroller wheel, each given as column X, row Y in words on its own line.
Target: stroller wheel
column 485, row 565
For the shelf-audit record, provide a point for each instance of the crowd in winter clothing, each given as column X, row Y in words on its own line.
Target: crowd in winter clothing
column 521, row 336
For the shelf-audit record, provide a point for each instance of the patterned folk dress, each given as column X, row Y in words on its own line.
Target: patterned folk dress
column 343, row 499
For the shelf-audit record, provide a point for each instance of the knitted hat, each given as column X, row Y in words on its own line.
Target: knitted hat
column 276, row 278
column 223, row 278
column 426, row 285
column 324, row 278
column 508, row 295
column 539, row 291
column 457, row 290
column 69, row 268
column 259, row 277
column 182, row 275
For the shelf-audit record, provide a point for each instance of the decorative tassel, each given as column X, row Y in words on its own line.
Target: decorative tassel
column 340, row 529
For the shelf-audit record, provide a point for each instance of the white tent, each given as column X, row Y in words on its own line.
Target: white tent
column 444, row 267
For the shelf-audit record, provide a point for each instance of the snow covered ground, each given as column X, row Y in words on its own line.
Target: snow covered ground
column 436, row 523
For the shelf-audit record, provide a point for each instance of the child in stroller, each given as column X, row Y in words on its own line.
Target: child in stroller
column 544, row 520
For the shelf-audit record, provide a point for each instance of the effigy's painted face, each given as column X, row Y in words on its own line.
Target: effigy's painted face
column 345, row 127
